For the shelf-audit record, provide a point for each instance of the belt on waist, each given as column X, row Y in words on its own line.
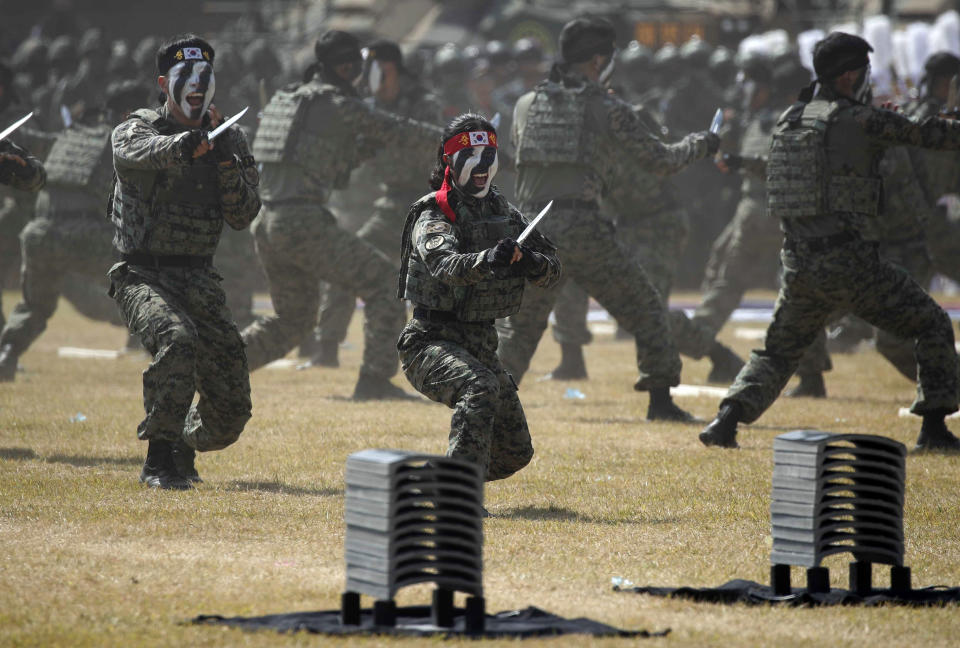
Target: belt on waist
column 166, row 261
column 567, row 203
column 428, row 315
column 820, row 244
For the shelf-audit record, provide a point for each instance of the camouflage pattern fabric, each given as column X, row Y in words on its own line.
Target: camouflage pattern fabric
column 299, row 245
column 236, row 259
column 54, row 252
column 592, row 257
column 456, row 364
column 181, row 317
column 851, row 278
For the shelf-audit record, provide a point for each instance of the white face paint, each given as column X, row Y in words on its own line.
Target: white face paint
column 191, row 85
column 474, row 169
column 375, row 76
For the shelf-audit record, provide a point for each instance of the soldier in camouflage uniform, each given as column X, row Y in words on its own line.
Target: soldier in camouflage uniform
column 568, row 132
column 311, row 137
column 652, row 225
column 174, row 189
column 824, row 185
column 393, row 90
column 69, row 238
column 462, row 268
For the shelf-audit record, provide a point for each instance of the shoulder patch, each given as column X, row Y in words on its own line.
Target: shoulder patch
column 441, row 227
column 433, row 242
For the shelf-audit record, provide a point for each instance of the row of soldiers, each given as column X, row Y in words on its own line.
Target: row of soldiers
column 463, row 262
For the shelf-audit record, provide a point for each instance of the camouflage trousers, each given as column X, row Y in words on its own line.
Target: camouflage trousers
column 61, row 256
column 656, row 243
column 182, row 319
column 592, row 258
column 301, row 245
column 943, row 239
column 237, row 261
column 848, row 278
column 337, row 304
column 743, row 256
column 13, row 218
column 455, row 363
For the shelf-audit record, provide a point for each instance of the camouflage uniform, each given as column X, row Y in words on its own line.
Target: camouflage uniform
column 401, row 184
column 169, row 212
column 824, row 185
column 449, row 349
column 748, row 245
column 18, row 192
column 564, row 136
column 69, row 238
column 652, row 227
column 310, row 139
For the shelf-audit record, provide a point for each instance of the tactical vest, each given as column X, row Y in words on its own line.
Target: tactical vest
column 556, row 129
column 489, row 299
column 168, row 211
column 800, row 180
column 81, row 158
column 302, row 127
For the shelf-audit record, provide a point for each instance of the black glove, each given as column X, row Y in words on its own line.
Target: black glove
column 499, row 255
column 189, row 144
column 713, row 143
column 733, row 162
column 529, row 264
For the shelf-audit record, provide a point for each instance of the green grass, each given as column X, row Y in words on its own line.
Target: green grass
column 88, row 557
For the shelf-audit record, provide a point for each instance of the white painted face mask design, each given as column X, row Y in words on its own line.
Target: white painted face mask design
column 191, row 84
column 479, row 160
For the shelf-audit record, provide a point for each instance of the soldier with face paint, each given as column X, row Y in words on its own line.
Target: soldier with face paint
column 311, row 138
column 462, row 269
column 174, row 189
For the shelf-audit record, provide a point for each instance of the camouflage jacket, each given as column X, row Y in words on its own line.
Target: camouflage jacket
column 616, row 131
column 165, row 204
column 334, row 133
column 937, row 171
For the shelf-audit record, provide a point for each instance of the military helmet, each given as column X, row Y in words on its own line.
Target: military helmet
column 941, row 64
column 756, row 67
column 497, row 54
column 635, row 58
column 449, row 60
column 527, row 50
column 695, row 52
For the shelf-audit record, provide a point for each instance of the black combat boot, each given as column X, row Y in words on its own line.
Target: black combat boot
column 8, row 363
column 934, row 435
column 662, row 408
column 183, row 458
column 811, row 386
column 371, row 388
column 726, row 364
column 159, row 470
column 572, row 365
column 722, row 431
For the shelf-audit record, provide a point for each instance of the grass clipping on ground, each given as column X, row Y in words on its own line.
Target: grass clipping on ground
column 89, row 557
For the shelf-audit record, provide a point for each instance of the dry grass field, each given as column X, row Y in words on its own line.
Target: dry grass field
column 88, row 557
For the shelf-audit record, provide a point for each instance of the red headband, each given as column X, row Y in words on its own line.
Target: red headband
column 461, row 141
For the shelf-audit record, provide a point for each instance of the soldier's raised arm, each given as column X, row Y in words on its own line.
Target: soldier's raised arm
column 655, row 156
column 138, row 144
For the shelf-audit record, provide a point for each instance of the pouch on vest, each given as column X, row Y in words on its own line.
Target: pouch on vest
column 276, row 140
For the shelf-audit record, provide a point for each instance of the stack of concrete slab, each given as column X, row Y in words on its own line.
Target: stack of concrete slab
column 413, row 518
column 837, row 493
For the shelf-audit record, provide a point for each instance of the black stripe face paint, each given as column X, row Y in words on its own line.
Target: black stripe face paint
column 191, row 85
column 474, row 169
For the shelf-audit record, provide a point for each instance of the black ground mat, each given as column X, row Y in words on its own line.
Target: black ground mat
column 751, row 593
column 415, row 621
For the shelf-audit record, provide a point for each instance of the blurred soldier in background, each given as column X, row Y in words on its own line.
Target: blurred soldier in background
column 566, row 133
column 69, row 235
column 392, row 89
column 312, row 136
